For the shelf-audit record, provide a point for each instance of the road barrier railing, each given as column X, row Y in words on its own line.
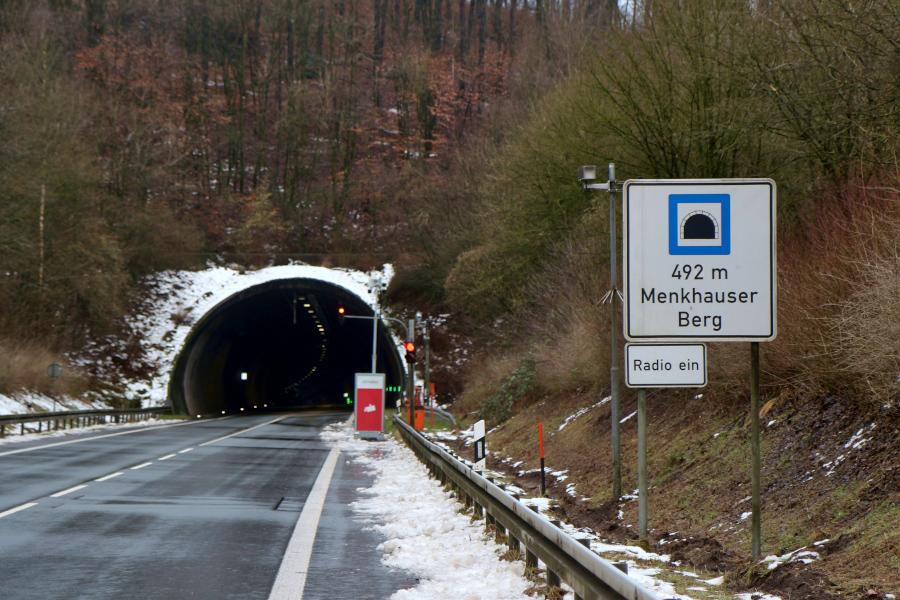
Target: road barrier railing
column 71, row 419
column 526, row 531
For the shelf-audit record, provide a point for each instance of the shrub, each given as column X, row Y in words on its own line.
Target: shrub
column 498, row 407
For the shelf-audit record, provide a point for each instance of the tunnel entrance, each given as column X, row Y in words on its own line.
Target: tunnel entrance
column 280, row 345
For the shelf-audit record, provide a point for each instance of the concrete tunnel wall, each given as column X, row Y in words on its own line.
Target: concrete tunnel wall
column 268, row 332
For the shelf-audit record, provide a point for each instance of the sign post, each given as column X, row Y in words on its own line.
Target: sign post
column 369, row 405
column 652, row 366
column 699, row 265
column 54, row 372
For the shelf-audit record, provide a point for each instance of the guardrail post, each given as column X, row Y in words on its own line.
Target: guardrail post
column 553, row 579
column 478, row 511
column 499, row 532
column 531, row 559
column 21, row 428
column 2, row 430
column 512, row 542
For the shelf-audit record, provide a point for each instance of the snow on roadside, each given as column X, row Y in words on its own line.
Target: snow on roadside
column 23, row 402
column 426, row 536
column 651, row 570
column 49, row 435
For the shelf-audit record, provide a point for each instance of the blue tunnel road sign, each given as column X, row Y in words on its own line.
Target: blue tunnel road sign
column 699, row 224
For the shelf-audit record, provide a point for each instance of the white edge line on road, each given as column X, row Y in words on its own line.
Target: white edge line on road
column 291, row 578
column 108, row 477
column 185, row 450
column 166, row 457
column 225, row 437
column 108, row 435
column 141, row 466
column 12, row 511
column 69, row 491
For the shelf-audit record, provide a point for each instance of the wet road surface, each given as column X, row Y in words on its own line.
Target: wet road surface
column 199, row 510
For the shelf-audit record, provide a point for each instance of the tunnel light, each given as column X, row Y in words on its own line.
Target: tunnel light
column 265, row 406
column 255, row 406
column 223, row 412
column 198, row 416
column 242, row 409
column 307, row 305
column 244, row 375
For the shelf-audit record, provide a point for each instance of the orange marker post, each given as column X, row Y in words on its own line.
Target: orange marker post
column 541, row 447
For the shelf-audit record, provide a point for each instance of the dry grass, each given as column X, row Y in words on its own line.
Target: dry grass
column 839, row 301
column 23, row 366
column 567, row 325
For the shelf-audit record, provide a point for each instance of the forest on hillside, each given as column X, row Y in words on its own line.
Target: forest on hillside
column 141, row 136
column 788, row 90
column 443, row 135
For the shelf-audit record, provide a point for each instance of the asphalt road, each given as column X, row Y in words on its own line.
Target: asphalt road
column 198, row 510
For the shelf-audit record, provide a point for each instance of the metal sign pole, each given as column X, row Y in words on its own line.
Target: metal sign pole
column 427, row 401
column 756, row 502
column 613, row 342
column 375, row 340
column 642, row 462
column 411, row 376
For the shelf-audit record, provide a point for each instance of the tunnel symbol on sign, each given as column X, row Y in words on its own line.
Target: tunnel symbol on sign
column 699, row 224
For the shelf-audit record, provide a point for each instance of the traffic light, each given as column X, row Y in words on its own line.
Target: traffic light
column 347, row 398
column 410, row 348
column 341, row 312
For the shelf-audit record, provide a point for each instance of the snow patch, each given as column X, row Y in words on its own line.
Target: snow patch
column 801, row 555
column 580, row 412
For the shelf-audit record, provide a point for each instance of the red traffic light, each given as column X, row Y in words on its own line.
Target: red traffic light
column 410, row 347
column 341, row 310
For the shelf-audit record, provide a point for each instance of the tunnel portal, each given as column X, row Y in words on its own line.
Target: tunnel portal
column 280, row 345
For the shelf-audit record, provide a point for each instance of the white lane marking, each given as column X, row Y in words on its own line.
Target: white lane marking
column 185, row 450
column 225, row 437
column 141, row 466
column 291, row 577
column 110, row 476
column 108, row 435
column 166, row 457
column 68, row 491
column 13, row 511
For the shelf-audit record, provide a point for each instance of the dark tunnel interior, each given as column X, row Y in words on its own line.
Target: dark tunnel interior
column 280, row 345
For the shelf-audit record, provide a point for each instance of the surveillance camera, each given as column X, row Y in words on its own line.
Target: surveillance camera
column 587, row 173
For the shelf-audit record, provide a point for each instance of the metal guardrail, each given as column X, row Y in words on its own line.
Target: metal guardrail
column 567, row 560
column 71, row 419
